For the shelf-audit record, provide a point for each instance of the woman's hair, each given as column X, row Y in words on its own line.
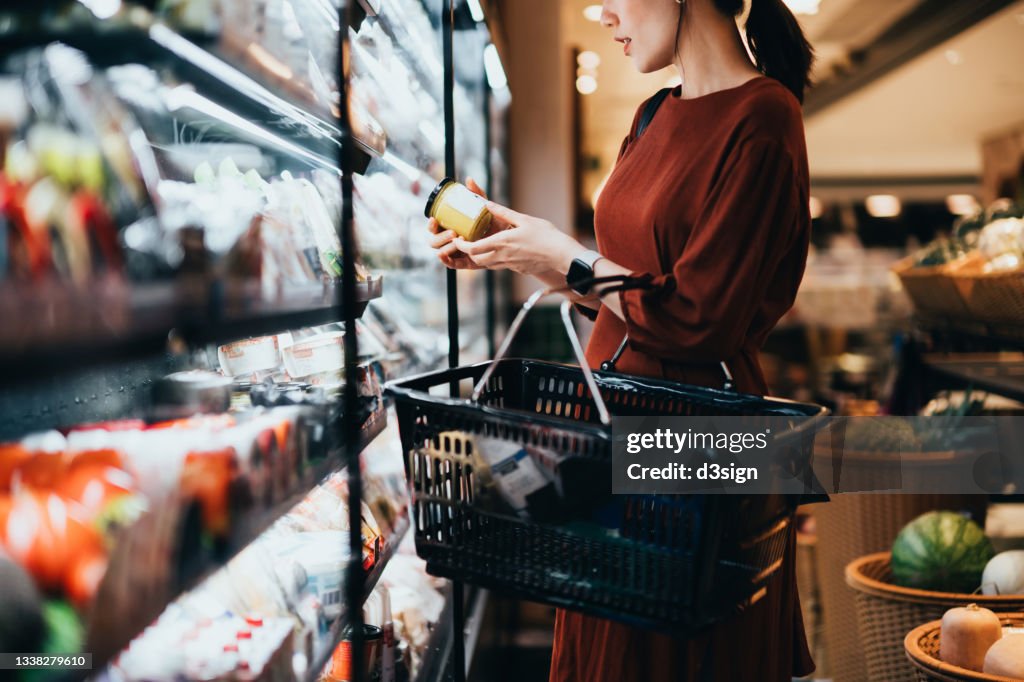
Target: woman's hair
column 775, row 39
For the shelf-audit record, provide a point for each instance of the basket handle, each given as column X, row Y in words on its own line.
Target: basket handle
column 574, row 340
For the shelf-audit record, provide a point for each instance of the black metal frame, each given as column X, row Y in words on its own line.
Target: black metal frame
column 355, row 580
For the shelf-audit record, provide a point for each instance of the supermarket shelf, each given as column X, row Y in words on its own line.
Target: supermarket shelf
column 126, row 612
column 193, row 59
column 437, row 659
column 1002, row 374
column 437, row 662
column 475, row 622
column 61, row 328
column 971, row 334
column 326, row 646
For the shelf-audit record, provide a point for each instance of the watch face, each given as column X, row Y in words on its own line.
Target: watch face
column 579, row 272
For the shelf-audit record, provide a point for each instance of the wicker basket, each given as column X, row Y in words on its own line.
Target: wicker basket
column 931, row 289
column 991, row 296
column 809, row 587
column 881, row 471
column 887, row 612
column 922, row 647
column 850, row 526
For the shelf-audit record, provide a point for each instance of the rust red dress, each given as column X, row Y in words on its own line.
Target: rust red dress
column 712, row 200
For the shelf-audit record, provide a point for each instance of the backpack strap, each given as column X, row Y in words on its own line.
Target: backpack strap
column 650, row 109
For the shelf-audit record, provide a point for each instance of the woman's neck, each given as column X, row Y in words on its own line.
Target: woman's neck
column 710, row 55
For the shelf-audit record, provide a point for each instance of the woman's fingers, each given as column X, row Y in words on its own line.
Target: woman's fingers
column 451, row 249
column 484, row 245
column 475, row 188
column 459, row 262
column 434, row 226
column 486, row 259
column 504, row 213
column 441, row 239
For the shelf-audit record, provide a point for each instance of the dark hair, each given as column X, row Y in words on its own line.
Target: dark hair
column 776, row 40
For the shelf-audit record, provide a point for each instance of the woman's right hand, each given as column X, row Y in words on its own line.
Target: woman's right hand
column 447, row 252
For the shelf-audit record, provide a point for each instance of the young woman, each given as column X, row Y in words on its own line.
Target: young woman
column 711, row 203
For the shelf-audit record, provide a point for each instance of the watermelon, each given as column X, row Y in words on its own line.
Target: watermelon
column 941, row 551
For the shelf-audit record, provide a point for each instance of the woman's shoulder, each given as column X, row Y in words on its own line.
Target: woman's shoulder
column 767, row 108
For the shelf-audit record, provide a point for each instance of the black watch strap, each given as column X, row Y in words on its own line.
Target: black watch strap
column 581, row 271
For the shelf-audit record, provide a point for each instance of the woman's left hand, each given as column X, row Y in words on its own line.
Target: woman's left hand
column 530, row 246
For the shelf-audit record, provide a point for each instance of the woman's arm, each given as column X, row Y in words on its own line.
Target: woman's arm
column 450, row 254
column 703, row 307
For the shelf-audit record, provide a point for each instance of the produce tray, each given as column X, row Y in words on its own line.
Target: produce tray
column 922, row 647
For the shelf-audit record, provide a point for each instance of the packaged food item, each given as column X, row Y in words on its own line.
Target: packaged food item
column 249, row 356
column 320, row 356
column 340, row 667
column 457, row 208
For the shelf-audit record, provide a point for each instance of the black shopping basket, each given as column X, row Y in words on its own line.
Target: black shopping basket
column 675, row 563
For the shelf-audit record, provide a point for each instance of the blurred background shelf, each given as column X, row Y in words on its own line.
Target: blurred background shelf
column 1002, row 374
column 965, row 335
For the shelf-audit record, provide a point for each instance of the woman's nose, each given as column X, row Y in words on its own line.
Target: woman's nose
column 608, row 18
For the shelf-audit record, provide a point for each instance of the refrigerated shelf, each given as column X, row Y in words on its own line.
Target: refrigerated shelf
column 325, row 647
column 111, row 628
column 62, row 328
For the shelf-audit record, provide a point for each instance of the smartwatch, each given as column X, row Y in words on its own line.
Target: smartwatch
column 581, row 271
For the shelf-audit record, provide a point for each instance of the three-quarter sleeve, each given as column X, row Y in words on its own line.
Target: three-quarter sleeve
column 702, row 310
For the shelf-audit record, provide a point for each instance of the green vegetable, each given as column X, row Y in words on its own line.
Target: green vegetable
column 204, row 174
column 228, row 168
column 90, row 167
column 253, row 180
column 889, row 434
column 942, row 551
column 119, row 513
column 65, row 635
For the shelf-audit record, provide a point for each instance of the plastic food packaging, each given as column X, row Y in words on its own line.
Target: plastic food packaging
column 248, row 356
column 318, row 356
column 184, row 394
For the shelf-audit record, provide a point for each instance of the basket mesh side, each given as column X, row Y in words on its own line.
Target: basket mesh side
column 677, row 563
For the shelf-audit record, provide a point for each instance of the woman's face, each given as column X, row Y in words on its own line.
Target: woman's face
column 646, row 28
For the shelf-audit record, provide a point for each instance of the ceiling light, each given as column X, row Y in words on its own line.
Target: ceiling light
column 475, row 10
column 492, row 66
column 588, row 59
column 817, row 208
column 592, row 12
column 586, row 85
column 962, row 204
column 883, row 206
column 803, row 6
column 954, row 57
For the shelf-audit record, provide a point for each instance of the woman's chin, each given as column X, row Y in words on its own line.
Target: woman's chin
column 645, row 65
